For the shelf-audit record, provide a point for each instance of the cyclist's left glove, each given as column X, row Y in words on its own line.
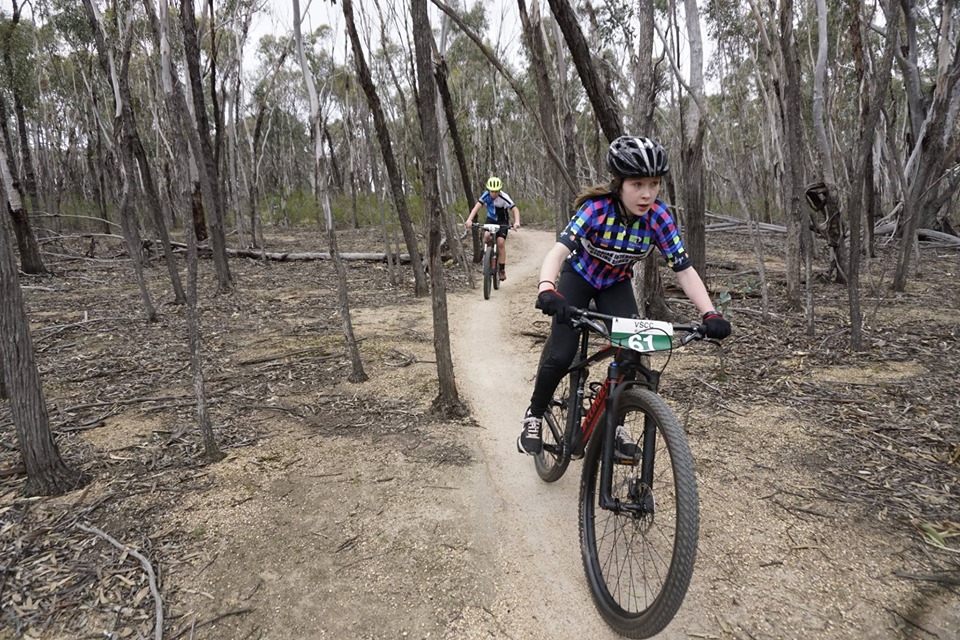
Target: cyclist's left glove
column 716, row 325
column 554, row 304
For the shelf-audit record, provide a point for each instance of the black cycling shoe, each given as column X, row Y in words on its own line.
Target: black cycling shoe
column 530, row 440
column 625, row 450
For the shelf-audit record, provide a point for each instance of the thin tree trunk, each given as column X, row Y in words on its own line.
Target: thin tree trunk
column 206, row 153
column 131, row 231
column 29, row 175
column 694, row 233
column 30, row 259
column 211, row 451
column 47, row 473
column 357, row 373
column 599, row 94
column 386, row 148
column 834, row 228
column 547, row 102
column 447, row 402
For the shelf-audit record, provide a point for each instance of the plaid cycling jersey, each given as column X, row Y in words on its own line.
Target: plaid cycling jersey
column 604, row 247
column 497, row 208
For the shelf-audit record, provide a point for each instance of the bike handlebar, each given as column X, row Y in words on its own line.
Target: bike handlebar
column 492, row 227
column 580, row 317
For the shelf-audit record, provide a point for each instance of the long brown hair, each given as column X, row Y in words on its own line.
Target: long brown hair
column 597, row 191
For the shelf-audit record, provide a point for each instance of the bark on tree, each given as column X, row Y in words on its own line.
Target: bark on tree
column 29, row 174
column 47, row 473
column 833, row 229
column 30, row 259
column 869, row 117
column 357, row 373
column 447, row 402
column 694, row 131
column 934, row 130
column 131, row 230
column 441, row 76
column 601, row 96
column 211, row 451
column 205, row 154
column 547, row 103
column 386, row 149
column 798, row 228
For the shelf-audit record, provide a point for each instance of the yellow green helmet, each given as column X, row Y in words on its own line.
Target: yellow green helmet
column 494, row 184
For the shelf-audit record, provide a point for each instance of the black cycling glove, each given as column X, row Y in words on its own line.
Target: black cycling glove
column 717, row 327
column 554, row 304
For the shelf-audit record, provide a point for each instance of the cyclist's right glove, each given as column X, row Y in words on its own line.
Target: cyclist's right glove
column 554, row 304
column 717, row 326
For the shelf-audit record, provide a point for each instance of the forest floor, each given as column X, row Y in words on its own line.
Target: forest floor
column 829, row 479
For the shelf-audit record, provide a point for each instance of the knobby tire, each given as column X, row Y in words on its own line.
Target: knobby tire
column 551, row 466
column 487, row 260
column 639, row 567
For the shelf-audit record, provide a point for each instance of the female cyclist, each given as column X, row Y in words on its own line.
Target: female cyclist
column 615, row 225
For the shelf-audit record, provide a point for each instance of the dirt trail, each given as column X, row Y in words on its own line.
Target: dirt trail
column 531, row 526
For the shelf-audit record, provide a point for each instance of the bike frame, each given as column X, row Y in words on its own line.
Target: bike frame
column 627, row 370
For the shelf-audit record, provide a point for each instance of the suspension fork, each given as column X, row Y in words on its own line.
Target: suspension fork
column 617, row 384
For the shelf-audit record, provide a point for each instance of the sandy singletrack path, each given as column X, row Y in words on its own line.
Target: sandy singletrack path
column 531, row 525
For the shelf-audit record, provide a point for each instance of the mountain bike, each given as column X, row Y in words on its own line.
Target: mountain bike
column 639, row 510
column 491, row 257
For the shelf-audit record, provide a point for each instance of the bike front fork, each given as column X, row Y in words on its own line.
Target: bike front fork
column 640, row 496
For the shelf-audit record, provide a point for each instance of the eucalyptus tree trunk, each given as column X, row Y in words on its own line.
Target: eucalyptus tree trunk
column 785, row 115
column 441, row 72
column 205, row 155
column 211, row 451
column 386, row 149
column 934, row 132
column 600, row 95
column 30, row 259
column 357, row 373
column 645, row 99
column 29, row 174
column 131, row 230
column 869, row 117
column 649, row 287
column 547, row 103
column 694, row 130
column 798, row 230
column 47, row 473
column 834, row 230
column 447, row 403
column 183, row 127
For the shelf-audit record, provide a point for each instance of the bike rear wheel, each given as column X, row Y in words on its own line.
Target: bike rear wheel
column 487, row 269
column 639, row 566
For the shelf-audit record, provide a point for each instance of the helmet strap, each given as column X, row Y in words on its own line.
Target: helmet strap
column 615, row 185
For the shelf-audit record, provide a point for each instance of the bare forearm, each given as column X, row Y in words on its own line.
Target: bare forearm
column 695, row 290
column 551, row 265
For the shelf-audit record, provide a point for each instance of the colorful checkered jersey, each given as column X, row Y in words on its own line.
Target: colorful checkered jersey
column 497, row 208
column 605, row 246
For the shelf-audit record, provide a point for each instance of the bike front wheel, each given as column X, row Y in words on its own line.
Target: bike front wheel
column 639, row 563
column 487, row 270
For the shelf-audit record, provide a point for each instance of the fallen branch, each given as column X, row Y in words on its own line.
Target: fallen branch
column 147, row 567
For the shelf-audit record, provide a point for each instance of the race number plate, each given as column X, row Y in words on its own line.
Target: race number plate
column 642, row 335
